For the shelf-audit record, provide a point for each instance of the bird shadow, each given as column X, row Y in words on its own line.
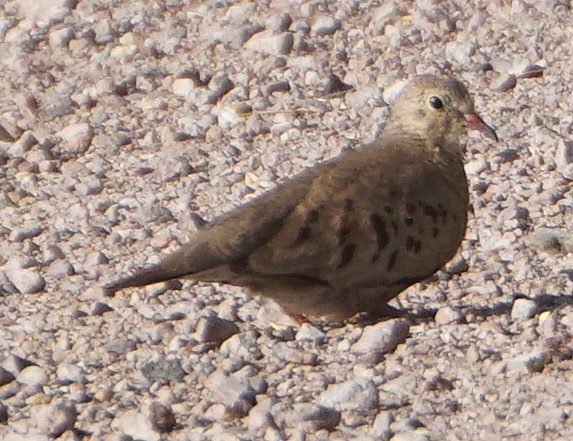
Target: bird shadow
column 545, row 302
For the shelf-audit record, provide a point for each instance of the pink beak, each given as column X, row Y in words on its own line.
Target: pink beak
column 475, row 122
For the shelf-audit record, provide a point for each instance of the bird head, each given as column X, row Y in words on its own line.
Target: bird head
column 440, row 110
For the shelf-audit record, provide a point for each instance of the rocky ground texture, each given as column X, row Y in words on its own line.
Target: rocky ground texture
column 122, row 124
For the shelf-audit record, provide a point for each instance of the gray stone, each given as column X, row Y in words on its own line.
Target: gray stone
column 26, row 281
column 523, row 309
column 136, row 425
column 307, row 332
column 236, row 394
column 449, row 316
column 54, row 419
column 357, row 394
column 32, row 375
column 215, row 330
column 382, row 338
column 269, row 43
column 326, row 25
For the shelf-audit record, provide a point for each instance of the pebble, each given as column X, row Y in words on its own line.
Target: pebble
column 46, row 13
column 309, row 416
column 236, row 394
column 136, row 425
column 269, row 43
column 162, row 369
column 357, row 394
column 215, row 330
column 162, row 417
column 326, row 26
column 76, row 138
column 523, row 309
column 5, row 376
column 449, row 316
column 26, row 281
column 54, row 419
column 307, row 332
column 32, row 375
column 411, row 436
column 382, row 337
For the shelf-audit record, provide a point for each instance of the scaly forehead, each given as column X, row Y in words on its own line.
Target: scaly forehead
column 424, row 86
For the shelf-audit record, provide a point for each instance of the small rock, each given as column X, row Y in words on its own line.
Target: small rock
column 135, row 425
column 5, row 376
column 236, row 394
column 449, row 316
column 215, row 330
column 381, row 425
column 44, row 13
column 3, row 414
column 77, row 137
column 272, row 44
column 26, row 281
column 411, row 436
column 25, row 232
column 523, row 309
column 53, row 420
column 162, row 417
column 182, row 86
column 15, row 364
column 382, row 338
column 279, row 22
column 60, row 268
column 162, row 369
column 309, row 416
column 326, row 26
column 260, row 415
column 528, row 363
column 153, row 213
column 32, row 375
column 70, row 373
column 357, row 394
column 309, row 332
column 504, row 83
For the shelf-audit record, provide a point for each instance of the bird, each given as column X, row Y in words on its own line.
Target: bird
column 347, row 235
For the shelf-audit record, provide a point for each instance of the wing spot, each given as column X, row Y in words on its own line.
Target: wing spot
column 392, row 260
column 312, row 216
column 435, row 232
column 303, row 235
column 347, row 254
column 379, row 226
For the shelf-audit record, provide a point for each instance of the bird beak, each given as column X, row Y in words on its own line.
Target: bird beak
column 475, row 122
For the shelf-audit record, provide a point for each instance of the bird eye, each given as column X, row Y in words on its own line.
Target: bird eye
column 436, row 102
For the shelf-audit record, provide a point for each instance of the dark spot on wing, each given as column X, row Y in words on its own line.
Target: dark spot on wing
column 410, row 208
column 435, row 232
column 394, row 226
column 348, row 205
column 303, row 235
column 392, row 260
column 408, row 221
column 379, row 226
column 388, row 209
column 343, row 234
column 347, row 254
column 413, row 245
column 312, row 216
column 438, row 214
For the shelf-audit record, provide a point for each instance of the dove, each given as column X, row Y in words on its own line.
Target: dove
column 348, row 235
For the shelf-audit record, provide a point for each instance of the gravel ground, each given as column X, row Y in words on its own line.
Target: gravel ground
column 122, row 124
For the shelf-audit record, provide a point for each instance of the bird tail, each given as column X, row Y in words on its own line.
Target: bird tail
column 182, row 263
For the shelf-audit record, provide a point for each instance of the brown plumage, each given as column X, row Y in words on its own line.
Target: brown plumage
column 348, row 235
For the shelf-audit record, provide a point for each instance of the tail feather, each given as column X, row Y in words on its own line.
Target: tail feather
column 182, row 263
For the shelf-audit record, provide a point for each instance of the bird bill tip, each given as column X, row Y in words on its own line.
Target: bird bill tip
column 475, row 122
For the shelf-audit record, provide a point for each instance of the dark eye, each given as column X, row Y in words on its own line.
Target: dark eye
column 436, row 102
